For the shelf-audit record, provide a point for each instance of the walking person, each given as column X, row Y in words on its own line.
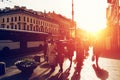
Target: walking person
column 45, row 47
column 97, row 50
column 79, row 54
column 60, row 55
column 52, row 55
column 86, row 48
column 71, row 49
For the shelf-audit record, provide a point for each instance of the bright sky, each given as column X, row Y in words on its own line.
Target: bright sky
column 89, row 14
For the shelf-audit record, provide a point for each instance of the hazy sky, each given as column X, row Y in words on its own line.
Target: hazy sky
column 89, row 14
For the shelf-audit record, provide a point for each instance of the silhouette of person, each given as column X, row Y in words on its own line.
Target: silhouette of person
column 60, row 55
column 71, row 49
column 79, row 51
column 86, row 47
column 76, row 75
column 45, row 47
column 78, row 68
column 52, row 55
column 97, row 49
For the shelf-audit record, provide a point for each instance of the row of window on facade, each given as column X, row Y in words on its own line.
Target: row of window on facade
column 28, row 20
column 30, row 28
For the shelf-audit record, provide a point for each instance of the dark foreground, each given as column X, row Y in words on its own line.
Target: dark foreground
column 109, row 69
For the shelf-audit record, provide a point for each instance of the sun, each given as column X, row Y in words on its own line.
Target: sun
column 93, row 27
column 92, row 15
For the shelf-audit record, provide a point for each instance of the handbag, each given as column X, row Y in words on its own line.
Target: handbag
column 93, row 57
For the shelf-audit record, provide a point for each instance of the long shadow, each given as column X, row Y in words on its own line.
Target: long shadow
column 55, row 77
column 60, row 75
column 42, row 77
column 45, row 65
column 78, row 68
column 64, row 76
column 45, row 74
column 19, row 76
column 100, row 73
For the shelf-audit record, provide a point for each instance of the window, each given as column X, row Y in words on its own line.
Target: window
column 27, row 27
column 12, row 26
column 15, row 26
column 40, row 22
column 19, row 18
column 24, row 26
column 15, row 19
column 31, row 27
column 7, row 19
column 19, row 26
column 34, row 21
column 43, row 23
column 31, row 20
column 7, row 26
column 2, row 25
column 27, row 19
column 24, row 19
column 45, row 30
column 37, row 28
column 34, row 28
column 3, row 20
column 11, row 19
column 41, row 28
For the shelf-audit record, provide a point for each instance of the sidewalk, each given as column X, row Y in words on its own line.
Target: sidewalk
column 109, row 69
column 12, row 70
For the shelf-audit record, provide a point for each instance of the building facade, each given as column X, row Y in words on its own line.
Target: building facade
column 113, row 23
column 64, row 23
column 22, row 19
column 24, row 28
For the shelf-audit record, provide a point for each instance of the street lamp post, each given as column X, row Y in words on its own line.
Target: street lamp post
column 118, row 27
column 73, row 23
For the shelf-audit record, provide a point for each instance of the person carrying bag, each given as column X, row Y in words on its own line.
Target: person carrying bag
column 52, row 55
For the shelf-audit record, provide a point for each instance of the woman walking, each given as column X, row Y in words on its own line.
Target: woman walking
column 52, row 55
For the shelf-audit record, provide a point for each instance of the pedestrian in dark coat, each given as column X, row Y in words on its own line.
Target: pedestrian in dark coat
column 45, row 48
column 60, row 56
column 71, row 49
column 79, row 54
column 97, row 49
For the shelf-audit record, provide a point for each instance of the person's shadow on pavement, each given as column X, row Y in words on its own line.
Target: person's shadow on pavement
column 78, row 68
column 100, row 73
column 61, row 75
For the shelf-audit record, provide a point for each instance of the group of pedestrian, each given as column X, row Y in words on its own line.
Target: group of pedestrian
column 56, row 51
column 54, row 54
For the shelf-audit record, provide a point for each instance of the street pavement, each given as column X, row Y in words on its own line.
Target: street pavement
column 109, row 69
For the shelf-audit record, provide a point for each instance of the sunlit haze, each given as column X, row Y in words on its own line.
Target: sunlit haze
column 90, row 15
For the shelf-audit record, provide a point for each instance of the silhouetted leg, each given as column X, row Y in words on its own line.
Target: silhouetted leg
column 61, row 67
column 97, row 60
column 52, row 68
column 70, row 61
